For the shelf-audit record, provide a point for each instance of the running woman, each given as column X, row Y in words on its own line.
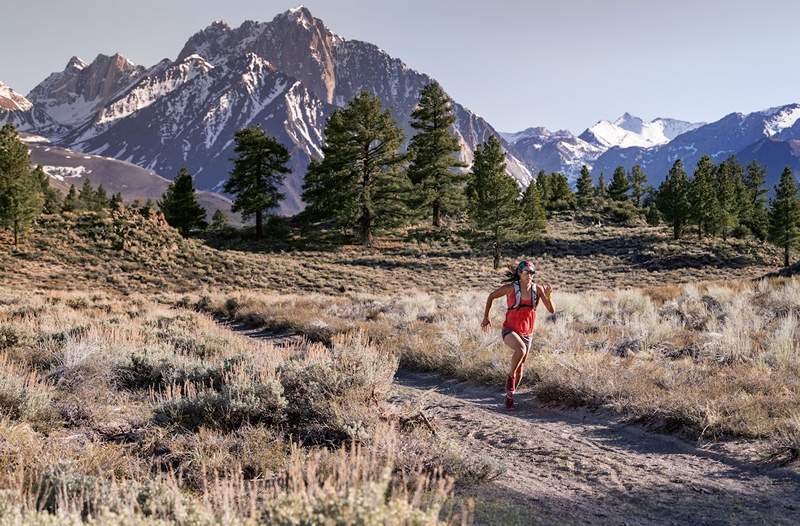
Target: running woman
column 522, row 298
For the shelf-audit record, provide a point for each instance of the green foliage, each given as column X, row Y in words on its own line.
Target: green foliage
column 51, row 198
column 705, row 208
column 602, row 191
column 219, row 221
column 21, row 198
column 638, row 184
column 584, row 188
column 116, row 202
column 359, row 183
column 534, row 219
column 619, row 187
column 653, row 216
column 784, row 215
column 438, row 187
column 730, row 194
column 72, row 202
column 755, row 216
column 673, row 199
column 258, row 171
column 624, row 212
column 555, row 191
column 180, row 207
column 493, row 194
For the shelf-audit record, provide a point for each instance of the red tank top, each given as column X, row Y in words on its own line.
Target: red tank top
column 522, row 318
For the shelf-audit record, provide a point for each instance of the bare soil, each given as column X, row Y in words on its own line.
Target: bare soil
column 579, row 467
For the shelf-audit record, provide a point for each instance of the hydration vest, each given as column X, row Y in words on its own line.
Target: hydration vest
column 513, row 300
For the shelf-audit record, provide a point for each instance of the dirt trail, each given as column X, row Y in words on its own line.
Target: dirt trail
column 575, row 466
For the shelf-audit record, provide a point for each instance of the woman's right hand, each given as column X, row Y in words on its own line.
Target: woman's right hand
column 485, row 324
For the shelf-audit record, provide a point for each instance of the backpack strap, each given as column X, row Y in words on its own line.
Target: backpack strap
column 517, row 295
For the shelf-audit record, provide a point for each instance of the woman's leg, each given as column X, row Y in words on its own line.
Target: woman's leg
column 521, row 366
column 515, row 343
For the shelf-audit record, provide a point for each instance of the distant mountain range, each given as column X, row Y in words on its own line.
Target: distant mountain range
column 289, row 74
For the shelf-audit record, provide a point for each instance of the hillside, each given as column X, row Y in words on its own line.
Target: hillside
column 67, row 167
column 126, row 251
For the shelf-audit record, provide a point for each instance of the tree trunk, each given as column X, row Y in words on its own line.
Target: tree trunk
column 786, row 255
column 366, row 227
column 16, row 232
column 437, row 213
column 496, row 261
column 259, row 225
column 676, row 230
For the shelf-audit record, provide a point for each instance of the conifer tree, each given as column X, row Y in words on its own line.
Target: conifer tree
column 638, row 185
column 358, row 183
column 652, row 216
column 432, row 149
column 101, row 200
column 705, row 209
column 51, row 198
column 116, row 202
column 756, row 217
column 584, row 187
column 258, row 171
column 561, row 196
column 86, row 196
column 72, row 201
column 602, row 191
column 20, row 190
column 180, row 207
column 730, row 190
column 219, row 221
column 784, row 215
column 672, row 199
column 494, row 210
column 543, row 182
column 618, row 189
column 534, row 219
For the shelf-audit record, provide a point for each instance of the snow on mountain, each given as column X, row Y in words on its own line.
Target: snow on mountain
column 286, row 75
column 780, row 118
column 631, row 131
column 11, row 100
column 553, row 151
column 72, row 97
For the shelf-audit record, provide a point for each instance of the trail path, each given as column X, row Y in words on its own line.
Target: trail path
column 575, row 466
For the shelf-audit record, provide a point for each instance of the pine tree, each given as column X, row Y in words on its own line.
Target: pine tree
column 672, row 199
column 756, row 217
column 561, row 196
column 784, row 215
column 258, row 171
column 219, row 221
column 494, row 210
column 543, row 182
column 116, row 202
column 72, row 201
column 618, row 189
column 432, row 149
column 602, row 191
column 101, row 200
column 638, row 185
column 51, row 198
column 653, row 216
column 358, row 183
column 705, row 209
column 534, row 219
column 730, row 189
column 20, row 190
column 584, row 187
column 180, row 207
column 86, row 196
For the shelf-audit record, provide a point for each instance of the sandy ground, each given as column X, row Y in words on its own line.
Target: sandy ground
column 572, row 466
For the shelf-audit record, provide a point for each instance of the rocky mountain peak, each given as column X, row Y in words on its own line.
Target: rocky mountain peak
column 75, row 64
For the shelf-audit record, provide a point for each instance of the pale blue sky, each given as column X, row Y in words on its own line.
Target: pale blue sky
column 560, row 64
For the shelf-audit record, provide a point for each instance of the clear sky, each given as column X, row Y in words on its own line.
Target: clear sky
column 557, row 63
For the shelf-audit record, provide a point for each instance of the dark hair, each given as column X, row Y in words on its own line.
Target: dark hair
column 511, row 275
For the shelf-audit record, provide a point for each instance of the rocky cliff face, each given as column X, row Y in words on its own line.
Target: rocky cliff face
column 286, row 76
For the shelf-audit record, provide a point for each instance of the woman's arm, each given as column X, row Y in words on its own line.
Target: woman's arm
column 544, row 293
column 499, row 293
